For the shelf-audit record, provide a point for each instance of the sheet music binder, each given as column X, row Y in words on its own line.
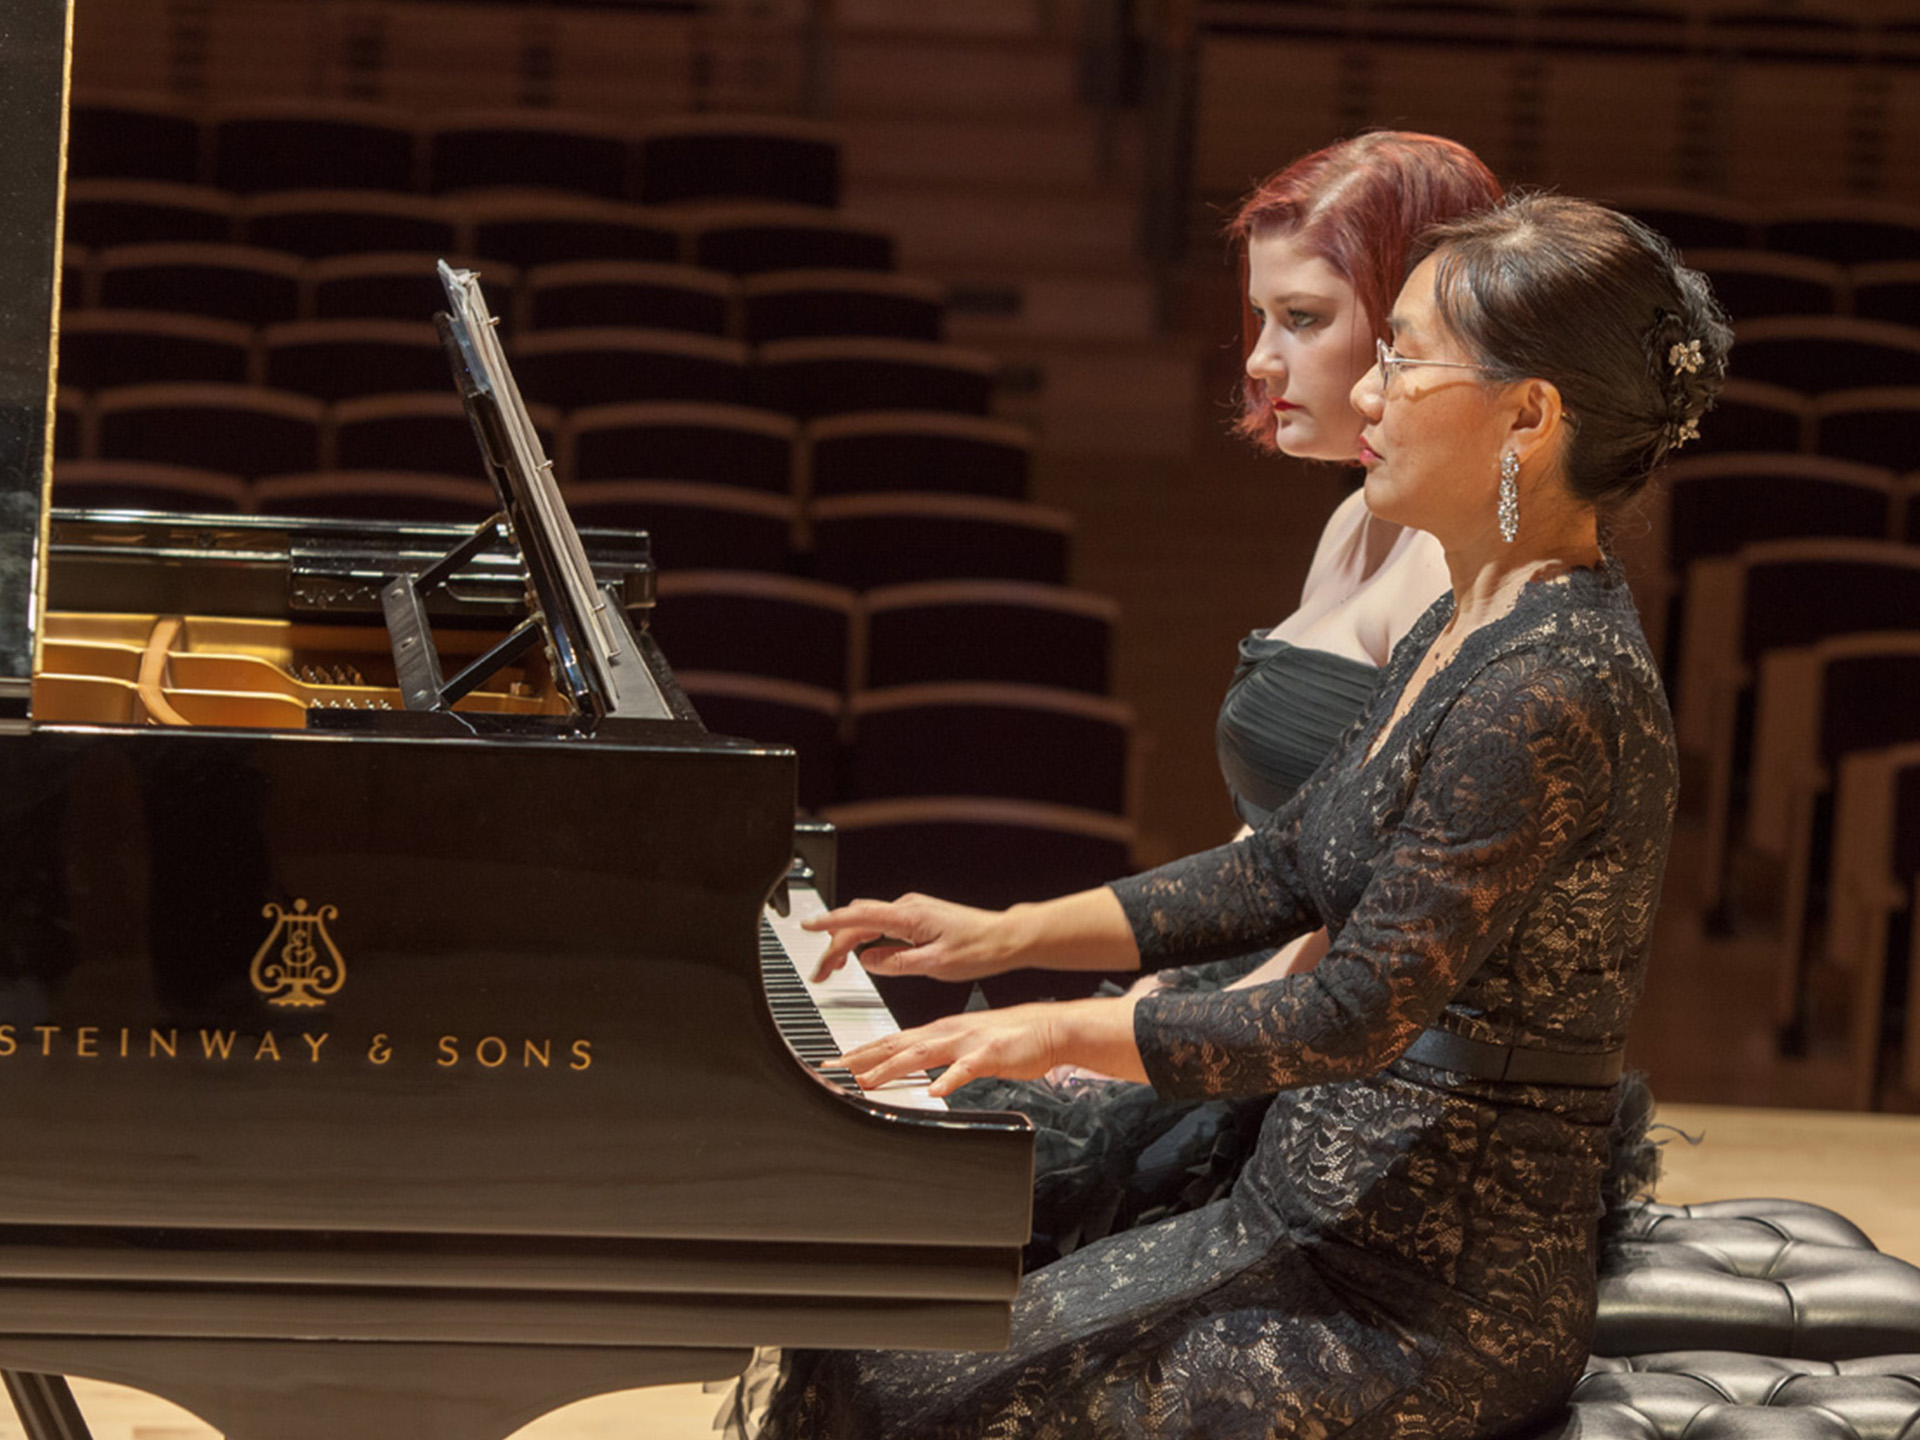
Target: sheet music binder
column 591, row 649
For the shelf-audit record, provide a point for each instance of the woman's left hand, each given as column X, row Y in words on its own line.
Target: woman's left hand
column 1021, row 1042
column 1015, row 1044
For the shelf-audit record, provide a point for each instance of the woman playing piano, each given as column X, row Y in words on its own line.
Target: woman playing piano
column 1411, row 1249
column 1324, row 244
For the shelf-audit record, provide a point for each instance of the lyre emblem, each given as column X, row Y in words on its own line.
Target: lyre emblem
column 306, row 968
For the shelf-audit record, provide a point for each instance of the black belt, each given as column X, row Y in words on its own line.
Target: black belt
column 1483, row 1060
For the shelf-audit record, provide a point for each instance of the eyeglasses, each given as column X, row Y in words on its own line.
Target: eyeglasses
column 1391, row 363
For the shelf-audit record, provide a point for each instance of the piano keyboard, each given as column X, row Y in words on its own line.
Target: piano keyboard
column 822, row 1021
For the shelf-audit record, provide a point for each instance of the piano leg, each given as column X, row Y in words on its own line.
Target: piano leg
column 45, row 1406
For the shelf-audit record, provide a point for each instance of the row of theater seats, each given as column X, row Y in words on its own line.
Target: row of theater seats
column 250, row 432
column 567, row 369
column 1781, row 577
column 712, row 354
column 257, row 287
column 259, row 147
column 988, row 689
column 516, row 227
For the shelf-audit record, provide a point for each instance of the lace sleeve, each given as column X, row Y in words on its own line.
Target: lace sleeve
column 1223, row 902
column 1515, row 781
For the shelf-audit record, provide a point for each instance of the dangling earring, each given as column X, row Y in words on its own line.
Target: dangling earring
column 1509, row 497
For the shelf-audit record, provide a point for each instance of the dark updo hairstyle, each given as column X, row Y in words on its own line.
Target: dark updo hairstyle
column 1567, row 291
column 1361, row 205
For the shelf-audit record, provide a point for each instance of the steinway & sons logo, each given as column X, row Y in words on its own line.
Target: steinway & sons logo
column 300, row 974
column 297, row 967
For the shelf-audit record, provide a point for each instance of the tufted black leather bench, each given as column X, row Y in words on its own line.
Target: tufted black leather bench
column 1749, row 1320
column 1724, row 1395
column 1768, row 1277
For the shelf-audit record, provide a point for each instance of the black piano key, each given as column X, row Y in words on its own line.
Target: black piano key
column 796, row 1014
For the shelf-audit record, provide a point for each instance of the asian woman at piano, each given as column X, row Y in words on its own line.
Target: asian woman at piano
column 1411, row 1249
column 1324, row 244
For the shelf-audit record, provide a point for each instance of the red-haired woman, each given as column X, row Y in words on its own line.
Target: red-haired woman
column 1324, row 246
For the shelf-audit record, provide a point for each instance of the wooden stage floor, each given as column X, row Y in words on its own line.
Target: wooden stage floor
column 1865, row 1166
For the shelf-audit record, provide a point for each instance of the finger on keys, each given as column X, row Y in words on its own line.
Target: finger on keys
column 880, row 1061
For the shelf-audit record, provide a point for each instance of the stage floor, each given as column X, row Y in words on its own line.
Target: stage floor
column 1865, row 1166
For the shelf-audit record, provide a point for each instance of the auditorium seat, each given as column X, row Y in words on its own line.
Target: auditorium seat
column 144, row 485
column 71, row 428
column 775, row 712
column 318, row 223
column 757, row 623
column 607, row 365
column 1771, row 595
column 643, row 293
column 527, row 149
column 902, row 451
column 311, row 144
column 103, row 348
column 694, row 526
column 1847, row 232
column 1878, row 425
column 1692, row 219
column 532, row 229
column 1888, row 290
column 107, row 212
column 377, row 495
column 1708, row 505
column 839, row 375
column 237, row 429
column 1022, row 742
column 227, row 282
column 1814, row 706
column 682, row 440
column 1818, row 354
column 1751, row 284
column 132, row 137
column 800, row 304
column 864, row 541
column 738, row 157
column 399, row 285
column 750, row 239
column 988, row 630
column 1751, row 416
column 338, row 359
column 977, row 851
column 426, row 431
column 1873, row 915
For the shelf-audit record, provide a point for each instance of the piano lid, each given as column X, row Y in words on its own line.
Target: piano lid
column 33, row 116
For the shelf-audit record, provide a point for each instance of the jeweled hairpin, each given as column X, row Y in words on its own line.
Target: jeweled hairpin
column 1686, row 430
column 1684, row 356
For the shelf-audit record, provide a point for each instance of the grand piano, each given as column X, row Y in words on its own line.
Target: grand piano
column 386, row 1044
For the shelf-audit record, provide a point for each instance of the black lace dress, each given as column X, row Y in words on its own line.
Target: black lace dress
column 1109, row 1154
column 1410, row 1253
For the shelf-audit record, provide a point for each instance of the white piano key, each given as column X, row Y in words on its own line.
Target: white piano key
column 852, row 1009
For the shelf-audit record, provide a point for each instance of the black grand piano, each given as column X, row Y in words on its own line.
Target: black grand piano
column 385, row 1039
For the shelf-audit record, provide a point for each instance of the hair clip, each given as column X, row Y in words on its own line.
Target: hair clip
column 1685, row 356
column 1684, row 431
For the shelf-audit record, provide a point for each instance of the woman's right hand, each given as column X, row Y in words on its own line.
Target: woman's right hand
column 915, row 935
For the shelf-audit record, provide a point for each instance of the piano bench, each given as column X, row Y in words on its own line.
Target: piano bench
column 1768, row 1277
column 1725, row 1395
